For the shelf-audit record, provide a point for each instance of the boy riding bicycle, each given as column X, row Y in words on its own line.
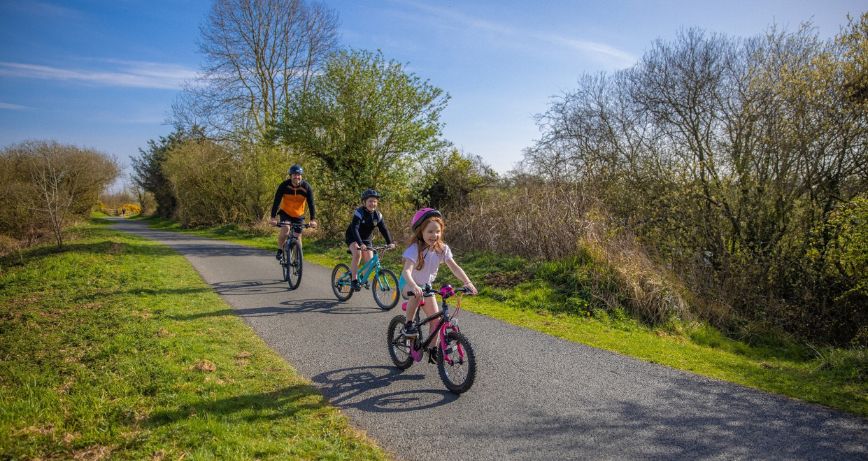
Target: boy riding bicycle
column 358, row 236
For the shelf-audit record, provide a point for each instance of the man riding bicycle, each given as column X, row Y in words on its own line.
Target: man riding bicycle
column 289, row 204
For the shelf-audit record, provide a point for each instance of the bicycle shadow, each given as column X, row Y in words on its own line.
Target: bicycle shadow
column 249, row 287
column 325, row 306
column 345, row 386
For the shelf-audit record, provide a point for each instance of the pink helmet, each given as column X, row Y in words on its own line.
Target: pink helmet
column 422, row 215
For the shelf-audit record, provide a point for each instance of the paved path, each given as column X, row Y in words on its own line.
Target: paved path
column 535, row 397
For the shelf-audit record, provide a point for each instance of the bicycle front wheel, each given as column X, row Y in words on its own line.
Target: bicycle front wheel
column 284, row 265
column 399, row 347
column 341, row 283
column 457, row 364
column 295, row 265
column 385, row 289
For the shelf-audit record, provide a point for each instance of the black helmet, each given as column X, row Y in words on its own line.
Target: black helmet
column 296, row 169
column 370, row 193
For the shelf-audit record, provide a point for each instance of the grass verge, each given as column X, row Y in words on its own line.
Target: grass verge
column 115, row 348
column 533, row 295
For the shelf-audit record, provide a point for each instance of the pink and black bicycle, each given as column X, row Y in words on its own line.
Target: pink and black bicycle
column 453, row 353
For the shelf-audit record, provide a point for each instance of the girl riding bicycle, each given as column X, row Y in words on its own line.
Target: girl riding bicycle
column 360, row 230
column 421, row 261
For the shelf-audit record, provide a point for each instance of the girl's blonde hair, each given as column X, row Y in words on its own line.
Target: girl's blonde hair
column 417, row 238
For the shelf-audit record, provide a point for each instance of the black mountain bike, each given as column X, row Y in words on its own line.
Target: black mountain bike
column 292, row 259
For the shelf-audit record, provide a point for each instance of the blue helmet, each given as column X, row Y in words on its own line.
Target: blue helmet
column 296, row 169
column 370, row 193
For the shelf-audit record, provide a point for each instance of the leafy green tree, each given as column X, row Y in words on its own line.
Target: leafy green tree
column 452, row 177
column 365, row 122
column 148, row 168
column 204, row 176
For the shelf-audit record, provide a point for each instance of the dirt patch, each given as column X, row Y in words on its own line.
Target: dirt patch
column 205, row 366
column 36, row 430
column 505, row 279
column 70, row 437
column 116, row 248
column 93, row 453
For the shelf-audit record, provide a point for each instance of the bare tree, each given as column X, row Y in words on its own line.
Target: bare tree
column 257, row 52
column 729, row 156
column 55, row 183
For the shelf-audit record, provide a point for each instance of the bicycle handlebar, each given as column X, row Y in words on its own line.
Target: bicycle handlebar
column 291, row 224
column 445, row 291
column 379, row 248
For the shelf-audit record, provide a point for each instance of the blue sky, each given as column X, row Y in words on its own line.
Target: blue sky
column 104, row 74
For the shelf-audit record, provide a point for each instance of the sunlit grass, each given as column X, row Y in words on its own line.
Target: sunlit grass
column 115, row 348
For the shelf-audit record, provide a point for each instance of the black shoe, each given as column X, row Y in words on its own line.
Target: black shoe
column 356, row 285
column 279, row 255
column 432, row 355
column 410, row 331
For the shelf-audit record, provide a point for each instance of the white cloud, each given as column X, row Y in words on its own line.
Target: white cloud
column 44, row 9
column 136, row 74
column 8, row 106
column 601, row 51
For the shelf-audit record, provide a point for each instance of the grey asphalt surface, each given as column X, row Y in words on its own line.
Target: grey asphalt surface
column 535, row 396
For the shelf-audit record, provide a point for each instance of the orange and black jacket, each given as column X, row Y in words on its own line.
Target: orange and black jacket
column 291, row 199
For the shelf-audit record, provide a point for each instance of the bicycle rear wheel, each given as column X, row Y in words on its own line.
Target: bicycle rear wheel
column 399, row 349
column 385, row 289
column 457, row 367
column 341, row 283
column 295, row 265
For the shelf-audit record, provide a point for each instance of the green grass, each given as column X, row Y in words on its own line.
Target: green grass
column 115, row 347
column 548, row 297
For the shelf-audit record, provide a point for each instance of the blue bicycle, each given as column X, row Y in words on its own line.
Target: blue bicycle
column 384, row 286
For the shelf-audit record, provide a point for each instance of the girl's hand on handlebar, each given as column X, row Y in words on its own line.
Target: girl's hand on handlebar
column 470, row 287
column 417, row 291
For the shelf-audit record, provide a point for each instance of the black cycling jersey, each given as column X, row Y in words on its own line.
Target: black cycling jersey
column 291, row 199
column 362, row 226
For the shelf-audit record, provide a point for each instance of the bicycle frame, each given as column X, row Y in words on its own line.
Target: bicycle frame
column 446, row 322
column 370, row 267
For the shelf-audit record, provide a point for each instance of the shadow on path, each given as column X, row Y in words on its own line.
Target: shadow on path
column 347, row 387
column 250, row 287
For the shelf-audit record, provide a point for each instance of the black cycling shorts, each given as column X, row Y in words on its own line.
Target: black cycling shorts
column 368, row 243
column 283, row 217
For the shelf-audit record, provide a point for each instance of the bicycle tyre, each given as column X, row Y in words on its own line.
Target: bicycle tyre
column 341, row 274
column 458, row 376
column 295, row 265
column 399, row 350
column 386, row 286
column 284, row 265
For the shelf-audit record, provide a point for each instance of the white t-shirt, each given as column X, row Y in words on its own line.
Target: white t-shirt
column 432, row 263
